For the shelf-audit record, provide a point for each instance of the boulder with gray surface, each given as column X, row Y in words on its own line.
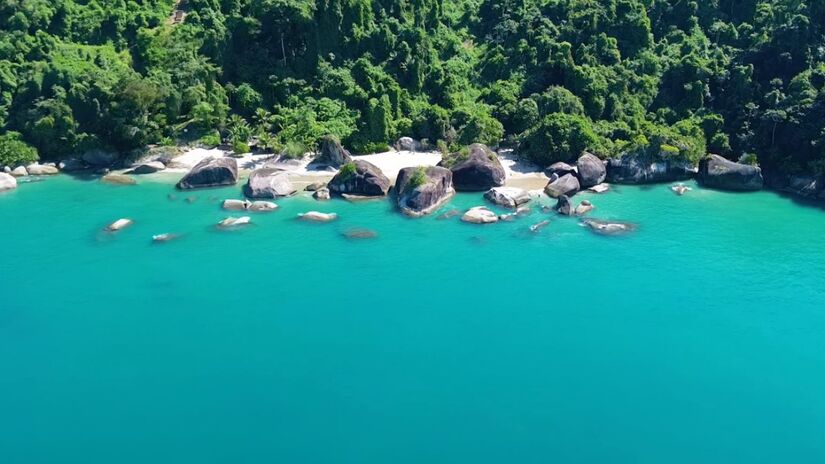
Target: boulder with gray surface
column 360, row 178
column 35, row 169
column 568, row 185
column 720, row 173
column 480, row 215
column 211, row 172
column 7, row 182
column 268, row 183
column 639, row 169
column 422, row 190
column 563, row 206
column 560, row 169
column 508, row 197
column 591, row 170
column 476, row 170
column 332, row 153
column 149, row 167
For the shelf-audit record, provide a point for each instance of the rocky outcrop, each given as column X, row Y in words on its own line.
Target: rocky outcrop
column 636, row 169
column 268, row 183
column 19, row 171
column 508, row 197
column 211, row 172
column 118, row 179
column 601, row 188
column 720, row 173
column 420, row 191
column 35, row 169
column 563, row 206
column 262, row 206
column 332, row 153
column 479, row 215
column 360, row 178
column 568, row 185
column 591, row 170
column 235, row 222
column 804, row 185
column 7, row 182
column 149, row 167
column 360, row 234
column 476, row 171
column 99, row 158
column 560, row 169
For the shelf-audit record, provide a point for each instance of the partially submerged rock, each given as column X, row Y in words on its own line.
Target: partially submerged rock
column 234, row 222
column 601, row 188
column 211, row 172
column 563, row 206
column 332, row 153
column 149, row 167
column 479, row 215
column 448, row 214
column 508, row 197
column 235, row 205
column 19, row 171
column 422, row 190
column 477, row 170
column 720, row 173
column 360, row 178
column 7, row 182
column 315, row 216
column 539, row 225
column 584, row 207
column 35, row 169
column 262, row 206
column 167, row 237
column 360, row 234
column 608, row 227
column 118, row 179
column 565, row 185
column 321, row 194
column 268, row 183
column 591, row 170
column 120, row 224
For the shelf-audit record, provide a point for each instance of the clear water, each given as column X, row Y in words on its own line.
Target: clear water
column 700, row 338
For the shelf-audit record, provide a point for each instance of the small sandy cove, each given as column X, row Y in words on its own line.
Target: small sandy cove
column 519, row 173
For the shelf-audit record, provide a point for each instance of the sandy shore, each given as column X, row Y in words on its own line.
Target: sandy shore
column 520, row 173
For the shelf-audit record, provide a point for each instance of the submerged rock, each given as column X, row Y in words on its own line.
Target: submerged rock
column 475, row 171
column 720, row 173
column 360, row 234
column 591, row 170
column 508, row 197
column 448, row 214
column 565, row 185
column 211, row 172
column 120, row 224
column 234, row 222
column 118, row 179
column 422, row 190
column 315, row 186
column 360, row 178
column 332, row 153
column 479, row 215
column 7, row 182
column 608, row 227
column 315, row 216
column 268, row 183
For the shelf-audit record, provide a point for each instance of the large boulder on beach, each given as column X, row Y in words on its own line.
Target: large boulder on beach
column 422, row 190
column 211, row 172
column 149, row 167
column 35, row 169
column 360, row 178
column 568, row 185
column 406, row 144
column 560, row 169
column 99, row 158
column 591, row 170
column 476, row 170
column 7, row 182
column 508, row 197
column 331, row 152
column 723, row 174
column 639, row 169
column 268, row 183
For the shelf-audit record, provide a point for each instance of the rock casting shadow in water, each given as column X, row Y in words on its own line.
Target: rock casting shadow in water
column 609, row 228
column 448, row 214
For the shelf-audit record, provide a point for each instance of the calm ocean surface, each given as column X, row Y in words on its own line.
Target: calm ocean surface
column 698, row 339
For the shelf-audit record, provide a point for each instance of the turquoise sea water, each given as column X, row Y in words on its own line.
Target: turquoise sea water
column 700, row 338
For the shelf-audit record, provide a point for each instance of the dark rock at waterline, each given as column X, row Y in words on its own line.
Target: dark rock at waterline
column 268, row 183
column 149, row 167
column 211, row 172
column 720, row 173
column 636, row 169
column 73, row 165
column 476, row 171
column 608, row 227
column 565, row 185
column 315, row 186
column 591, row 170
column 360, row 178
column 418, row 197
column 332, row 153
column 563, row 206
column 804, row 185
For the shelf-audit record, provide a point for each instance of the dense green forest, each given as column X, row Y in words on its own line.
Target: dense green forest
column 742, row 78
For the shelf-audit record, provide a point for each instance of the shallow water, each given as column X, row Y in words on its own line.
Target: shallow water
column 699, row 338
